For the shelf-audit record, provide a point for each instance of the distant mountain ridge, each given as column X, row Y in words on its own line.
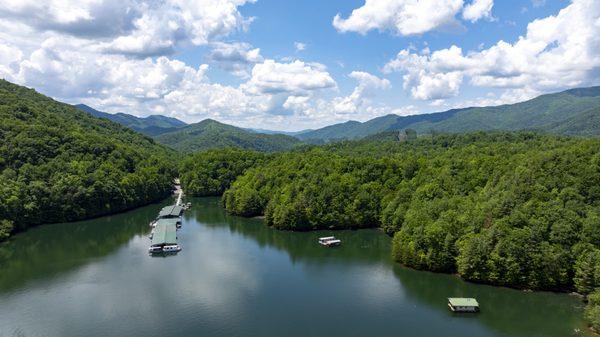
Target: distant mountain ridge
column 210, row 134
column 571, row 112
column 151, row 126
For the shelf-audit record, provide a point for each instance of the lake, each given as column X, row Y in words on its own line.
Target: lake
column 237, row 277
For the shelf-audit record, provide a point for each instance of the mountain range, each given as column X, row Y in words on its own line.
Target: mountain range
column 571, row 112
column 151, row 126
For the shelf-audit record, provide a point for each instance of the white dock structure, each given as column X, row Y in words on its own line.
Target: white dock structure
column 330, row 241
column 178, row 192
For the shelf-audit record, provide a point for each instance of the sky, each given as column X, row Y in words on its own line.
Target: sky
column 297, row 64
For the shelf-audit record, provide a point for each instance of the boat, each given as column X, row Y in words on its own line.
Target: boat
column 329, row 241
column 153, row 223
column 171, row 248
column 155, row 249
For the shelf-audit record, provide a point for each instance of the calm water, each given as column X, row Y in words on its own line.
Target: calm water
column 236, row 277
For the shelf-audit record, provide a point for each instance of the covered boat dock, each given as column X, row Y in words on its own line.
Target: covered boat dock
column 462, row 304
column 172, row 211
column 165, row 233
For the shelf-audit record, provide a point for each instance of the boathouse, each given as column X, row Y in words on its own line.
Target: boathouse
column 165, row 233
column 461, row 304
column 172, row 211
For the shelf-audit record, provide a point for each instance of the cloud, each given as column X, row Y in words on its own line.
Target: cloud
column 295, row 78
column 299, row 46
column 234, row 57
column 359, row 98
column 557, row 52
column 421, row 76
column 402, row 17
column 131, row 27
column 357, row 105
column 84, row 18
column 478, row 9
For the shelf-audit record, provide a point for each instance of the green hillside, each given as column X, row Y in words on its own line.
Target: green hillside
column 566, row 112
column 210, row 134
column 517, row 209
column 586, row 123
column 152, row 125
column 58, row 163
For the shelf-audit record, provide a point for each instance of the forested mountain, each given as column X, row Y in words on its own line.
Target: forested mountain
column 210, row 134
column 58, row 163
column 566, row 112
column 152, row 125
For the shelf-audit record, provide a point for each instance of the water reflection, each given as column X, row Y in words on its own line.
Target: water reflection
column 237, row 277
column 510, row 312
column 49, row 250
column 366, row 246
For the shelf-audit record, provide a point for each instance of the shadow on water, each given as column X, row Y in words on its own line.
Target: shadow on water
column 49, row 250
column 510, row 312
column 358, row 246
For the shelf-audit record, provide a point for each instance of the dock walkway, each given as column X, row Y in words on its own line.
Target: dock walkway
column 164, row 233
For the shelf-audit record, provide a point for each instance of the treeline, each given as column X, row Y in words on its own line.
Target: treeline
column 60, row 164
column 211, row 172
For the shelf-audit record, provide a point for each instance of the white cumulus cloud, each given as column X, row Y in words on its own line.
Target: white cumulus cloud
column 557, row 52
column 235, row 57
column 403, row 17
column 295, row 78
column 131, row 27
column 478, row 9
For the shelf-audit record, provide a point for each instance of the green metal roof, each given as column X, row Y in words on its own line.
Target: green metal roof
column 165, row 232
column 463, row 302
column 170, row 211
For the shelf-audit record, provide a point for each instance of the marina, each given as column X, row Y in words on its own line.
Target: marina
column 163, row 236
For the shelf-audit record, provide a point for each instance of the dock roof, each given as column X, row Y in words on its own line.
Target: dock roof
column 170, row 211
column 165, row 232
column 463, row 302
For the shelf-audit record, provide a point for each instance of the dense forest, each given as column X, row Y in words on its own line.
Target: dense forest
column 58, row 163
column 210, row 173
column 512, row 209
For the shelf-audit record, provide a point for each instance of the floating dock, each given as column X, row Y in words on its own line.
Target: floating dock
column 164, row 232
column 330, row 241
column 462, row 304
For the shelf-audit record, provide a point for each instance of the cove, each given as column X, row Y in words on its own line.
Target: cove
column 237, row 277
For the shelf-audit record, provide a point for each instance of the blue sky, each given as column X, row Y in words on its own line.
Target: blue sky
column 237, row 61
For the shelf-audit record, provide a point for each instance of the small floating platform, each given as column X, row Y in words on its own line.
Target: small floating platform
column 463, row 304
column 329, row 241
